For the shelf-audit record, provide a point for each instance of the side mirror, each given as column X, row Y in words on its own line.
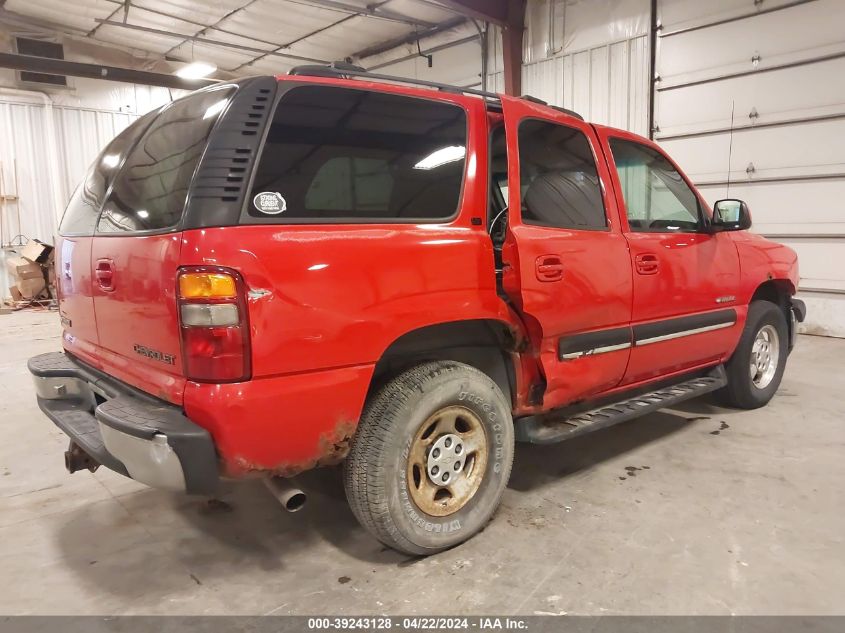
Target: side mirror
column 731, row 215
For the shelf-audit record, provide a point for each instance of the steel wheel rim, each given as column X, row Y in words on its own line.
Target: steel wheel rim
column 765, row 354
column 453, row 436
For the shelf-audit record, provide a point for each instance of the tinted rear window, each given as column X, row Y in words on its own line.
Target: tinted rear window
column 150, row 191
column 81, row 213
column 355, row 155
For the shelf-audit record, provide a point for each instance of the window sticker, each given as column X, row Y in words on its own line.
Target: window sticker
column 270, row 202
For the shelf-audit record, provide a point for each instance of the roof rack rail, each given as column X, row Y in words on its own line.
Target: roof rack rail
column 342, row 69
column 345, row 70
column 534, row 99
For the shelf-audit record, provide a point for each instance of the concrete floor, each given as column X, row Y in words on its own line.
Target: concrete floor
column 698, row 510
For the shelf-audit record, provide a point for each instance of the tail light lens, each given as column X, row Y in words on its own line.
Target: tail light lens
column 213, row 324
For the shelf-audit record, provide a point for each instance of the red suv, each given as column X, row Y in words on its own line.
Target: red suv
column 281, row 273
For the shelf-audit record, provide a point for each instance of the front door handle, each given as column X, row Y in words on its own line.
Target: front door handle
column 549, row 268
column 647, row 263
column 104, row 272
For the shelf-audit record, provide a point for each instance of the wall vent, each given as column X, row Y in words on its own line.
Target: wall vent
column 40, row 48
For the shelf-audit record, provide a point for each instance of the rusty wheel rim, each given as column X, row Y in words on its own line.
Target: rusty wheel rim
column 447, row 461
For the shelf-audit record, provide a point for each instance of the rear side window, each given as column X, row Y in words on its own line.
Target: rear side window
column 81, row 213
column 558, row 178
column 149, row 193
column 355, row 155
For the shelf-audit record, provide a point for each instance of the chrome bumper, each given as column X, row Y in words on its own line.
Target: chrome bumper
column 127, row 431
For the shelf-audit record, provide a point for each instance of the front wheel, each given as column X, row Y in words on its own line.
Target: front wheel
column 431, row 457
column 756, row 367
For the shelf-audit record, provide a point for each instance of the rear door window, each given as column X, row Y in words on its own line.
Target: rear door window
column 81, row 213
column 149, row 193
column 558, row 178
column 347, row 155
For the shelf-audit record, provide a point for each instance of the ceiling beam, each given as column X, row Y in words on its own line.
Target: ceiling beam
column 93, row 31
column 372, row 11
column 165, row 14
column 494, row 11
column 386, row 45
column 305, row 36
column 292, row 42
column 203, row 30
column 96, row 71
column 204, row 40
column 425, row 51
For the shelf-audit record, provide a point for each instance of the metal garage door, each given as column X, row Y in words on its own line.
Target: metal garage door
column 779, row 67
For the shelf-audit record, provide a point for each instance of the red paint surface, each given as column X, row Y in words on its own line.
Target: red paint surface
column 676, row 274
column 594, row 290
column 139, row 309
column 327, row 301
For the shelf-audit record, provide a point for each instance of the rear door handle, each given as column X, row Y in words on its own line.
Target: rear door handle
column 549, row 268
column 647, row 264
column 104, row 272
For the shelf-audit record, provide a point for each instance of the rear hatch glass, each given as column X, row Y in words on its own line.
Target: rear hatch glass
column 136, row 247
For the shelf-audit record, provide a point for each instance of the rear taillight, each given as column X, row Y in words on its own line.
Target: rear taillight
column 213, row 324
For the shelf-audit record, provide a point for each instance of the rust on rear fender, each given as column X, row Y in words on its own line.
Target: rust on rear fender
column 331, row 450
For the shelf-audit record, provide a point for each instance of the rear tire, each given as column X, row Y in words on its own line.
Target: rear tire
column 437, row 422
column 756, row 367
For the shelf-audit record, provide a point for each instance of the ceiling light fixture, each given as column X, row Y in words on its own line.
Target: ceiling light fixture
column 196, row 70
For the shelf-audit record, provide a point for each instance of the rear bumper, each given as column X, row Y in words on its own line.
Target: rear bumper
column 125, row 430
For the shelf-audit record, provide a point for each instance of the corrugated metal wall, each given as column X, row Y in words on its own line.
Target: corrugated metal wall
column 43, row 156
column 606, row 84
column 590, row 56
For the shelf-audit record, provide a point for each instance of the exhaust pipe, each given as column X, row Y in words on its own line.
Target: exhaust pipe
column 291, row 497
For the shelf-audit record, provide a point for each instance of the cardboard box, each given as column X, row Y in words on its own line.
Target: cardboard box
column 21, row 268
column 31, row 288
column 36, row 251
column 16, row 294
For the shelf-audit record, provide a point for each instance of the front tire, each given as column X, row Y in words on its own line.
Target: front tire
column 756, row 367
column 431, row 457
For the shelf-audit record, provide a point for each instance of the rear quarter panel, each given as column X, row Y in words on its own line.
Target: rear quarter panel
column 325, row 303
column 333, row 296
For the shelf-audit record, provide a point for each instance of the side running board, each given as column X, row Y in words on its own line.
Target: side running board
column 552, row 428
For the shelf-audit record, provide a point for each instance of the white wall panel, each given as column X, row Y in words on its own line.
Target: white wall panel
column 675, row 14
column 791, row 144
column 784, row 151
column 49, row 147
column 773, row 39
column 825, row 313
column 779, row 208
column 586, row 24
column 607, row 84
column 786, row 94
column 587, row 55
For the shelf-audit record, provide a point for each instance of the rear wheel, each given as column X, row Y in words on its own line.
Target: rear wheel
column 431, row 457
column 756, row 367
